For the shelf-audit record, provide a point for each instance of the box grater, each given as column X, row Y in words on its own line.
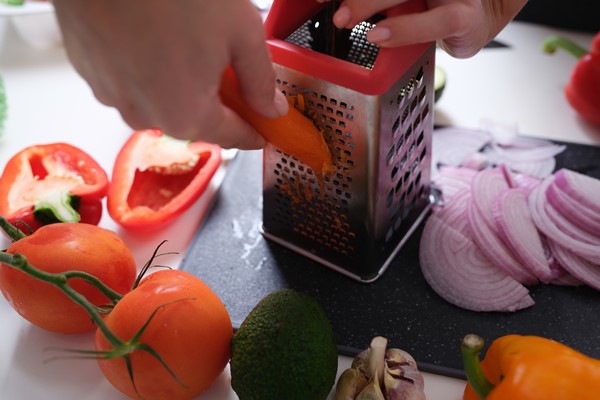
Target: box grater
column 375, row 107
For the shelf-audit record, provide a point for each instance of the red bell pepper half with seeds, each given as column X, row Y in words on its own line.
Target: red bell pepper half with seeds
column 50, row 183
column 156, row 178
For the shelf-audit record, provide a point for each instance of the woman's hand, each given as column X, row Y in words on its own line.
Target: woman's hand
column 160, row 63
column 460, row 27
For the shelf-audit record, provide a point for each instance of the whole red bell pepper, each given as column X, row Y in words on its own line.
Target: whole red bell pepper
column 50, row 183
column 583, row 89
column 156, row 178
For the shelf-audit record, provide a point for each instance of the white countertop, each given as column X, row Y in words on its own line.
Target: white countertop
column 49, row 102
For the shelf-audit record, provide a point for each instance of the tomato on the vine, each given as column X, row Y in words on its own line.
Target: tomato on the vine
column 191, row 331
column 61, row 247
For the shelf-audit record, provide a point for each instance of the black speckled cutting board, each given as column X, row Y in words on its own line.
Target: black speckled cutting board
column 231, row 256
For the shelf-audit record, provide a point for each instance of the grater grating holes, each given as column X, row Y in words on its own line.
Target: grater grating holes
column 319, row 34
column 319, row 211
column 405, row 174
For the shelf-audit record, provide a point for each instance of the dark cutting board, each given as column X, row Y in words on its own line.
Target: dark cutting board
column 232, row 257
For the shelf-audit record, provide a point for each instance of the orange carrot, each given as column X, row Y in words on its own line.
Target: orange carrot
column 294, row 133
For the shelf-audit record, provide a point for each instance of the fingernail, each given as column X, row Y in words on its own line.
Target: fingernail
column 281, row 103
column 342, row 16
column 379, row 34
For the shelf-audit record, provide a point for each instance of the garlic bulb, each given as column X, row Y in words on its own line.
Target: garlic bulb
column 378, row 373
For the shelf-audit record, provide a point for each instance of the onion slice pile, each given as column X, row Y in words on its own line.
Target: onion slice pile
column 460, row 273
column 519, row 233
column 503, row 232
column 486, row 187
column 491, row 146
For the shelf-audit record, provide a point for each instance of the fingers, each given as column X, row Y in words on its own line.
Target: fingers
column 352, row 12
column 228, row 130
column 254, row 70
column 441, row 22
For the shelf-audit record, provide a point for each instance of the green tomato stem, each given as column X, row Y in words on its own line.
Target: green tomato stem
column 112, row 295
column 470, row 348
column 120, row 348
column 60, row 281
column 551, row 43
column 11, row 231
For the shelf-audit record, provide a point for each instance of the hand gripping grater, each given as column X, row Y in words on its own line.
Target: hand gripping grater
column 375, row 107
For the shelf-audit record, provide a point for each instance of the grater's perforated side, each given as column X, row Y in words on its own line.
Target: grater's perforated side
column 355, row 218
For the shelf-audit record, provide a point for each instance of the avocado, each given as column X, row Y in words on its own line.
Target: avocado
column 284, row 349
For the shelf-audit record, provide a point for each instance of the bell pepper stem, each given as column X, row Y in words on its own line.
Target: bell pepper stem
column 552, row 43
column 470, row 348
column 57, row 206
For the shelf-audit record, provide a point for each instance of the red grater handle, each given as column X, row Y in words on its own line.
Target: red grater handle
column 285, row 16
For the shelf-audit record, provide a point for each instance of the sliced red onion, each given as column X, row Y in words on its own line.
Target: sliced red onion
column 526, row 182
column 566, row 279
column 452, row 145
column 486, row 186
column 532, row 143
column 454, row 213
column 531, row 152
column 519, row 233
column 582, row 217
column 459, row 272
column 490, row 242
column 582, row 269
column 494, row 145
column 538, row 168
column 584, row 189
column 476, row 161
column 452, row 179
column 502, row 134
column 566, row 225
column 539, row 212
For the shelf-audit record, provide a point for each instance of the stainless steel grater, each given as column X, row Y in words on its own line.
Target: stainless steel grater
column 355, row 218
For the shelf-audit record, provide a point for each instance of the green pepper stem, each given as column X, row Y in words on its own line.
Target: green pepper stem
column 470, row 348
column 551, row 43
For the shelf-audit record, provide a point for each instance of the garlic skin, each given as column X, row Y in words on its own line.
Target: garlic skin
column 402, row 379
column 350, row 384
column 378, row 373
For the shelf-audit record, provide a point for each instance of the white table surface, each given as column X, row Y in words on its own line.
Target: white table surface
column 49, row 102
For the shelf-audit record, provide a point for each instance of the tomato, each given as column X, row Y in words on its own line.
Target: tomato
column 192, row 333
column 58, row 248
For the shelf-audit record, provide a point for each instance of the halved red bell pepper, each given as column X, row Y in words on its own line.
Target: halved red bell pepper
column 583, row 89
column 49, row 183
column 156, row 178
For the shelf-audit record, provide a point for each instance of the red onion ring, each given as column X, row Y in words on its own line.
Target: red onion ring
column 584, row 189
column 460, row 273
column 568, row 207
column 582, row 269
column 519, row 233
column 486, row 186
column 539, row 208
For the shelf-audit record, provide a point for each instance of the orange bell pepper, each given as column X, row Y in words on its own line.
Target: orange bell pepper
column 519, row 367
